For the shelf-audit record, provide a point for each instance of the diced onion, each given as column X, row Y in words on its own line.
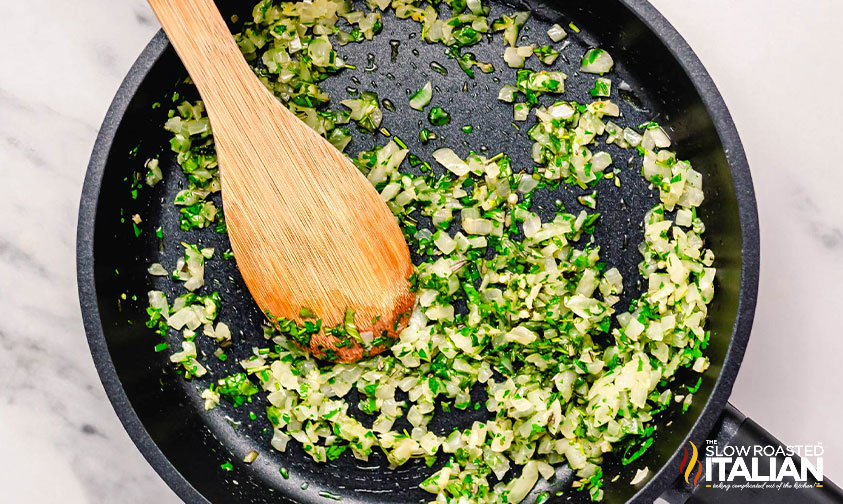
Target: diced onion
column 596, row 61
column 422, row 97
column 556, row 33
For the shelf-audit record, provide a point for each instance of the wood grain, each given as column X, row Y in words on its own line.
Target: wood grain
column 306, row 227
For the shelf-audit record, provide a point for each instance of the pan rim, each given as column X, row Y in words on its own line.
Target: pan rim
column 749, row 271
column 87, row 285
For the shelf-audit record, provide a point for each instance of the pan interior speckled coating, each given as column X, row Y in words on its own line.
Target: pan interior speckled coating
column 163, row 412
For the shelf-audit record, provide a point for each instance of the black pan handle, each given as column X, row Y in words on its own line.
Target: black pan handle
column 736, row 430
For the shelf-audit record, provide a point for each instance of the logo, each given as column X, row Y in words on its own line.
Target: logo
column 740, row 467
column 691, row 466
column 764, row 466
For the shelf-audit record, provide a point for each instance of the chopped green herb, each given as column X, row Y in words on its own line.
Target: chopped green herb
column 425, row 135
column 438, row 116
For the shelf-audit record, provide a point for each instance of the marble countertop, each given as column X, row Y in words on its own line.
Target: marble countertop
column 61, row 63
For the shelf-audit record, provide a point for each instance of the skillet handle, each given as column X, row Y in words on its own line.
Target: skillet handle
column 737, row 431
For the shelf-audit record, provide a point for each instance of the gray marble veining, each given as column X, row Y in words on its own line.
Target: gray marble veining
column 60, row 64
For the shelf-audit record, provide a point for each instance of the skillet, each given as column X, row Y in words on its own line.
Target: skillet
column 163, row 413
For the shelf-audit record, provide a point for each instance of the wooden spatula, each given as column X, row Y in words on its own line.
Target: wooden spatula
column 307, row 229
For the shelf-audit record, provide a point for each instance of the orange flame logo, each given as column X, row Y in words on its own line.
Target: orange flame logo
column 688, row 465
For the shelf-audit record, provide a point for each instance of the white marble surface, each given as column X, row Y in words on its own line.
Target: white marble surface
column 776, row 63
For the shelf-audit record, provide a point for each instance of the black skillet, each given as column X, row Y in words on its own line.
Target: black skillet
column 187, row 446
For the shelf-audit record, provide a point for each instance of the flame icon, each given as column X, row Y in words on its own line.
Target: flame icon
column 687, row 466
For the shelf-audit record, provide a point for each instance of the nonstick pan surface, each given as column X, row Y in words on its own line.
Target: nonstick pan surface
column 164, row 414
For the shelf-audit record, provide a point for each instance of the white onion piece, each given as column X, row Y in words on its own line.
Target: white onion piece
column 520, row 111
column 640, row 475
column 596, row 61
column 447, row 158
column 507, row 93
column 157, row 270
column 556, row 33
column 512, row 58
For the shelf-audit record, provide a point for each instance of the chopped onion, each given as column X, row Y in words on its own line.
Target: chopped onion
column 447, row 158
column 640, row 475
column 596, row 61
column 507, row 93
column 556, row 33
column 157, row 270
column 513, row 58
column 520, row 111
column 421, row 98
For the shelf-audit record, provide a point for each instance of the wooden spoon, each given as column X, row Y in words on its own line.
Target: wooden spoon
column 306, row 227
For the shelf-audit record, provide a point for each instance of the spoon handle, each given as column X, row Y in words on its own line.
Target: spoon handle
column 203, row 42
